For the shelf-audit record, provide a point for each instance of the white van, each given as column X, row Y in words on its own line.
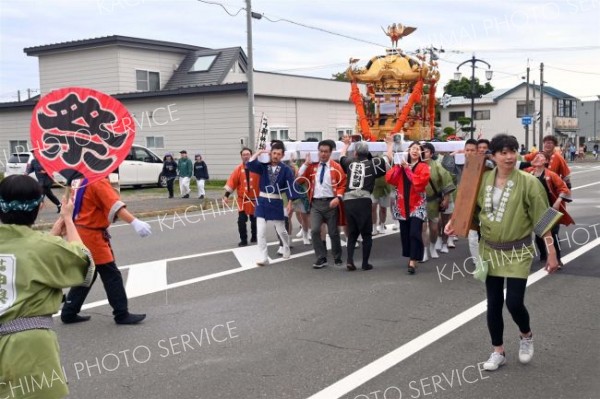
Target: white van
column 141, row 167
column 17, row 163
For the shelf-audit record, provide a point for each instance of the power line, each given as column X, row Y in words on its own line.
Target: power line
column 571, row 70
column 322, row 30
column 295, row 23
column 223, row 7
column 535, row 49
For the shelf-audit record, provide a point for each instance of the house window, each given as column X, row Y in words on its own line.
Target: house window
column 521, row 108
column 18, row 146
column 313, row 135
column 566, row 108
column 279, row 134
column 454, row 115
column 482, row 115
column 203, row 63
column 341, row 132
column 147, row 81
column 155, row 142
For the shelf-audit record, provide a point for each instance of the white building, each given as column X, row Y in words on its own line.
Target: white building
column 501, row 111
column 184, row 97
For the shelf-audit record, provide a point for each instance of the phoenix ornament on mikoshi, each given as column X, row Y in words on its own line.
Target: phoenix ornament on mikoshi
column 81, row 132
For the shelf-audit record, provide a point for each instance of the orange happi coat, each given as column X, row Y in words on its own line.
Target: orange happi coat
column 246, row 186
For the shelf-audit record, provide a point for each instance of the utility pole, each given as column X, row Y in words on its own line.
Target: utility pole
column 250, row 76
column 541, row 103
column 534, row 122
column 527, row 108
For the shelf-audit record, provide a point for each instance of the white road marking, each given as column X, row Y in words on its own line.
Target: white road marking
column 384, row 363
column 146, row 278
column 151, row 277
column 585, row 185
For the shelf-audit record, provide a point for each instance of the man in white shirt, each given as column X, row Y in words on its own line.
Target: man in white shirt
column 327, row 183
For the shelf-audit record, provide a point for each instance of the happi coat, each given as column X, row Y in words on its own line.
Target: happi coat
column 34, row 269
column 246, row 185
column 522, row 209
column 274, row 181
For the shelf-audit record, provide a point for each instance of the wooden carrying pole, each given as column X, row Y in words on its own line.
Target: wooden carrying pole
column 466, row 196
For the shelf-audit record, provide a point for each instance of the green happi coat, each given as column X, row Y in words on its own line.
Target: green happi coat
column 442, row 181
column 523, row 209
column 34, row 268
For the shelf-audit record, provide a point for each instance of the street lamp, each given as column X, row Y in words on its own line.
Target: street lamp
column 488, row 76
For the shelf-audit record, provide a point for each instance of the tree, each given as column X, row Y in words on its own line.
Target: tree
column 340, row 76
column 462, row 88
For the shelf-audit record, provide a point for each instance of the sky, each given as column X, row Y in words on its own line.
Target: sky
column 508, row 34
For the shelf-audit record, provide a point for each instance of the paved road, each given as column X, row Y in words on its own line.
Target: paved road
column 218, row 327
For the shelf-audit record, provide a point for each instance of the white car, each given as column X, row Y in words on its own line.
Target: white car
column 140, row 167
column 17, row 163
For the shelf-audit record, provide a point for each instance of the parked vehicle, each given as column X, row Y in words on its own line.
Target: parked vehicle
column 141, row 167
column 17, row 163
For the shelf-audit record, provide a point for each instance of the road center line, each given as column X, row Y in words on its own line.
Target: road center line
column 384, row 363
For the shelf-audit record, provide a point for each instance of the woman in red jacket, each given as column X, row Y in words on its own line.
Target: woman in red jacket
column 410, row 178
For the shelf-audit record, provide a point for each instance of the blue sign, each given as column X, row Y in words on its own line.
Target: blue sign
column 526, row 120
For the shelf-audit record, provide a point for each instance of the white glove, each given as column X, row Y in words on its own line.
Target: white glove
column 142, row 228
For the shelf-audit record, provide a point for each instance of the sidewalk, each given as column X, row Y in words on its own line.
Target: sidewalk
column 141, row 202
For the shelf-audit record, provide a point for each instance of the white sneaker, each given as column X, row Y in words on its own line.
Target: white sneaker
column 263, row 262
column 451, row 243
column 395, row 226
column 444, row 249
column 280, row 251
column 434, row 253
column 306, row 237
column 425, row 257
column 381, row 228
column 374, row 232
column 300, row 232
column 496, row 360
column 526, row 349
column 286, row 253
column 438, row 244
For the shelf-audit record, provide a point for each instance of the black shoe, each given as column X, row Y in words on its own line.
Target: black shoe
column 58, row 207
column 186, row 196
column 201, row 197
column 76, row 318
column 253, row 239
column 130, row 319
column 170, row 196
column 367, row 267
column 411, row 270
column 350, row 267
column 338, row 262
column 320, row 263
column 243, row 244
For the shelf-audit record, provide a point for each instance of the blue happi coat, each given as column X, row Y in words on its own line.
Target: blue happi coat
column 280, row 182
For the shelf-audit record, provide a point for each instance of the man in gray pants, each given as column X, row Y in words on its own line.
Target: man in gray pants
column 327, row 183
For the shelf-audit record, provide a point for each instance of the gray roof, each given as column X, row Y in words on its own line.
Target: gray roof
column 493, row 96
column 204, row 89
column 489, row 98
column 219, row 69
column 111, row 40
